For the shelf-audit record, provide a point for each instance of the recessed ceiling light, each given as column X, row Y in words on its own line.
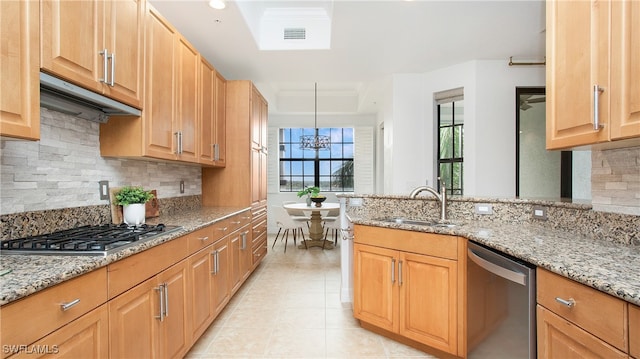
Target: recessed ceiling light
column 217, row 4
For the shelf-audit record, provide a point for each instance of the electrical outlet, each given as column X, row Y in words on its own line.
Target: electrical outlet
column 181, row 186
column 355, row 202
column 483, row 208
column 104, row 190
column 540, row 212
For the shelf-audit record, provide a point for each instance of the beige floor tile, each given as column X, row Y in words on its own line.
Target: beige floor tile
column 297, row 343
column 353, row 342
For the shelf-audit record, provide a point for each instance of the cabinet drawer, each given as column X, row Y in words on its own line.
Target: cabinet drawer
column 259, row 251
column 126, row 273
column 437, row 245
column 634, row 331
column 200, row 239
column 258, row 229
column 31, row 318
column 239, row 220
column 609, row 324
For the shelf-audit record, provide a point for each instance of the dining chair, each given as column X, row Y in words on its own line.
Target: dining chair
column 284, row 221
column 298, row 215
column 331, row 222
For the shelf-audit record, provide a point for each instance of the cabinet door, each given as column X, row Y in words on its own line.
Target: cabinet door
column 124, row 38
column 208, row 105
column 634, row 331
column 174, row 336
column 625, row 69
column 72, row 39
column 246, row 250
column 134, row 323
column 85, row 337
column 558, row 338
column 19, row 69
column 428, row 300
column 577, row 59
column 187, row 65
column 256, row 108
column 256, row 175
column 375, row 301
column 220, row 137
column 159, row 105
column 200, row 291
column 220, row 276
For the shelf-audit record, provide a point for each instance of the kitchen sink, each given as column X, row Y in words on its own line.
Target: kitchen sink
column 417, row 222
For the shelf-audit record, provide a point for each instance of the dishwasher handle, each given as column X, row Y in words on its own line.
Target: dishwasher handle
column 516, row 277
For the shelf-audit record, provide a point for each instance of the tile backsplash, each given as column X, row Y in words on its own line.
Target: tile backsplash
column 615, row 180
column 62, row 170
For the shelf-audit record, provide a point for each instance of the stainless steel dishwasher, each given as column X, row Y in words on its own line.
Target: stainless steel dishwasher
column 501, row 305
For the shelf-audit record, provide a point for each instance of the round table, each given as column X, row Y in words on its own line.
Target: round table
column 316, row 232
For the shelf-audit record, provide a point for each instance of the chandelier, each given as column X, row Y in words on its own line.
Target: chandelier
column 315, row 142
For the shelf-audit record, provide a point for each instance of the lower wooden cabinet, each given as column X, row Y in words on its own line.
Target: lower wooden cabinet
column 150, row 320
column 404, row 286
column 200, row 298
column 575, row 320
column 634, row 331
column 85, row 337
column 559, row 338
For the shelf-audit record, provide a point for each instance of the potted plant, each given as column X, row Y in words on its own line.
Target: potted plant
column 132, row 200
column 313, row 194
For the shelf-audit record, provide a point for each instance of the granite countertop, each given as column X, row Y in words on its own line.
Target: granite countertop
column 610, row 267
column 32, row 273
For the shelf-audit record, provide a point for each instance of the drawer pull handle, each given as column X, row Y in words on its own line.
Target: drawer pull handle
column 236, row 222
column 570, row 303
column 67, row 306
column 204, row 238
column 222, row 229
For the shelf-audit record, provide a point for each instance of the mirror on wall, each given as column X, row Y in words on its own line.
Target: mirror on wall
column 539, row 173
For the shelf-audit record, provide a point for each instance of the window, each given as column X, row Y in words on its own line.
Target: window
column 331, row 170
column 451, row 131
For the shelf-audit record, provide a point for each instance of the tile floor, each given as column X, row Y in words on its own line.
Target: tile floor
column 290, row 308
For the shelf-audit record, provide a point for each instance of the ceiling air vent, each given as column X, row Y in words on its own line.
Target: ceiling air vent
column 295, row 33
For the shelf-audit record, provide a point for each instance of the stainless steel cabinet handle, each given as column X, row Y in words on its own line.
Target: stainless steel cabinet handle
column 105, row 69
column 244, row 240
column 180, row 141
column 177, row 134
column 216, row 152
column 570, row 303
column 215, row 262
column 166, row 299
column 224, row 229
column 400, row 273
column 204, row 238
column 159, row 289
column 68, row 305
column 597, row 90
column 113, row 69
column 393, row 271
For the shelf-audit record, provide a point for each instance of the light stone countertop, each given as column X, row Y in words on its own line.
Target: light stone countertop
column 610, row 267
column 33, row 273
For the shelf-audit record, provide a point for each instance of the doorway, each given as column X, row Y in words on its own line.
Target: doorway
column 539, row 173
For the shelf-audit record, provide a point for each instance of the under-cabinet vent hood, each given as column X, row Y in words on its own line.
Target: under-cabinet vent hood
column 65, row 97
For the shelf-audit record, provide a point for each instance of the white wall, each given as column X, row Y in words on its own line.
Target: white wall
column 489, row 131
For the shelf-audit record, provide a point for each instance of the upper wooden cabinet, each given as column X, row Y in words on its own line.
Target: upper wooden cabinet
column 593, row 72
column 96, row 44
column 168, row 127
column 19, row 69
column 212, row 116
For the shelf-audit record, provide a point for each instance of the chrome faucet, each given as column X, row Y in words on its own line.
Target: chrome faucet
column 441, row 197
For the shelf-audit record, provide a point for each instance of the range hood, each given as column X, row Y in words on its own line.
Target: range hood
column 65, row 97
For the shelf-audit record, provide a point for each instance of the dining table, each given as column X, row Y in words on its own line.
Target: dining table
column 316, row 230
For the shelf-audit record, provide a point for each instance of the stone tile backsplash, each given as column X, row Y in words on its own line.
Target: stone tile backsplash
column 62, row 170
column 615, row 180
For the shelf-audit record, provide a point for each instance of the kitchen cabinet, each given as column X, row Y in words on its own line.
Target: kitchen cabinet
column 81, row 40
column 240, row 243
column 592, row 72
column 409, row 283
column 212, row 115
column 150, row 320
column 19, row 69
column 85, row 337
column 258, row 235
column 52, row 309
column 167, row 128
column 567, row 326
column 634, row 331
column 221, row 274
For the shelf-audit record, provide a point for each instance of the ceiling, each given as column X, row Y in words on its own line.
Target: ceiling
column 369, row 41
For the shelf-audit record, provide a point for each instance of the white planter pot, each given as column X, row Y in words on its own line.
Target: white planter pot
column 134, row 214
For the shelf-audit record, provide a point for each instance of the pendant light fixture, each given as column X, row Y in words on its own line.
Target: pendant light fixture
column 315, row 142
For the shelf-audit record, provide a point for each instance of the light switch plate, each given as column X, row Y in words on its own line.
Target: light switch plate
column 355, row 202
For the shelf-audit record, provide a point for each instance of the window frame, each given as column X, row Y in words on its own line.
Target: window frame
column 453, row 160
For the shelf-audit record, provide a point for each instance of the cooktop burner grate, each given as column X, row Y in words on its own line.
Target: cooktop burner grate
column 86, row 240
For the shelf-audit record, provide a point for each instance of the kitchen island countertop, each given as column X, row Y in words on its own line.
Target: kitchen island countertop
column 32, row 273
